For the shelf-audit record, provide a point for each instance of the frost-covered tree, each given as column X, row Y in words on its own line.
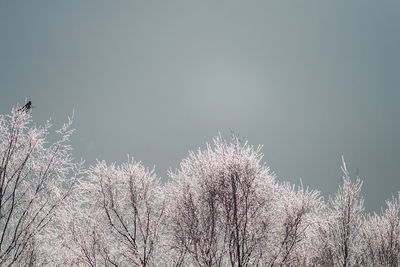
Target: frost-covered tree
column 220, row 206
column 226, row 209
column 36, row 177
column 339, row 228
column 381, row 237
column 117, row 218
column 297, row 216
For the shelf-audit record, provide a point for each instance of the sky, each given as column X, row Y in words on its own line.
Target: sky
column 309, row 80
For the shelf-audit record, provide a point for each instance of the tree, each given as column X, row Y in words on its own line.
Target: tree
column 339, row 232
column 220, row 206
column 297, row 216
column 35, row 178
column 381, row 237
column 117, row 217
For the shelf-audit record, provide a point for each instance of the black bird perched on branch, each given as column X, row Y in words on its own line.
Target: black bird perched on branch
column 26, row 107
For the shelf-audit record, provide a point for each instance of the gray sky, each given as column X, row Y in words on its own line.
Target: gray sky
column 309, row 80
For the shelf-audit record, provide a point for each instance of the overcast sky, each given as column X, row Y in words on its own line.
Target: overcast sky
column 309, row 80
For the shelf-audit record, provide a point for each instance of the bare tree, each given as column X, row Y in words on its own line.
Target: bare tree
column 381, row 237
column 340, row 231
column 117, row 218
column 35, row 179
column 296, row 219
column 221, row 206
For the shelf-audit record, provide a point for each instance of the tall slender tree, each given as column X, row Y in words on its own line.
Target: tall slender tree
column 340, row 231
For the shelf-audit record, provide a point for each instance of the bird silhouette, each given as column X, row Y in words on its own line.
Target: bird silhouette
column 26, row 107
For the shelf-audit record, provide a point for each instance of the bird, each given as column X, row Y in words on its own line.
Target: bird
column 26, row 107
